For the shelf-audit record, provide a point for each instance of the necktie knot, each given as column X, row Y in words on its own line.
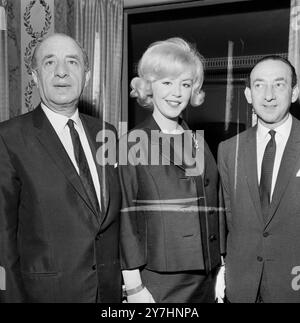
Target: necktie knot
column 70, row 123
column 271, row 132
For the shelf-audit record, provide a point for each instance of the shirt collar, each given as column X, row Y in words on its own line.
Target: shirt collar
column 283, row 130
column 59, row 121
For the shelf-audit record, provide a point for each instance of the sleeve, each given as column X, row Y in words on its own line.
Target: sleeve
column 224, row 197
column 9, row 257
column 132, row 239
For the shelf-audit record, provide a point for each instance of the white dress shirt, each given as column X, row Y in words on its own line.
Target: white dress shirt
column 59, row 123
column 281, row 138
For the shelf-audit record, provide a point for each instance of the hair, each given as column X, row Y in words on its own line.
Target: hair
column 167, row 58
column 33, row 63
column 275, row 58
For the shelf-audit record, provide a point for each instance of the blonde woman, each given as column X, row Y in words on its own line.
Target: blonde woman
column 169, row 222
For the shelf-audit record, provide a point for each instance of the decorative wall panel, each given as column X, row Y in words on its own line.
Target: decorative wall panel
column 14, row 57
column 37, row 21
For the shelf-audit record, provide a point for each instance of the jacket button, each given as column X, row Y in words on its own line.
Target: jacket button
column 212, row 237
column 266, row 234
column 94, row 267
column 99, row 236
column 260, row 259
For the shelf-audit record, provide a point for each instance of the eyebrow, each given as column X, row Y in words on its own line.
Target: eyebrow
column 262, row 80
column 68, row 56
column 47, row 57
column 281, row 79
column 73, row 56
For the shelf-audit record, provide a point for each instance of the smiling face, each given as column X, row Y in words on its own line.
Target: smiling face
column 60, row 74
column 271, row 92
column 172, row 94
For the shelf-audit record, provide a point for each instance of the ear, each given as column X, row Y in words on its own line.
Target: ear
column 35, row 77
column 201, row 81
column 87, row 78
column 295, row 93
column 200, row 98
column 248, row 95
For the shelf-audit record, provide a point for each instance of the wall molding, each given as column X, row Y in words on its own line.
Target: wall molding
column 140, row 6
column 239, row 62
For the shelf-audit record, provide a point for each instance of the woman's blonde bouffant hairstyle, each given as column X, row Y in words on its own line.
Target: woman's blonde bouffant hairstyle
column 168, row 58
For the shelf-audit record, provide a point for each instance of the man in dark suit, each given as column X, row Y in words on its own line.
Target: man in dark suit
column 59, row 209
column 261, row 184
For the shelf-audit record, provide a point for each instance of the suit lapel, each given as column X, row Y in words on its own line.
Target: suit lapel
column 198, row 148
column 48, row 138
column 287, row 167
column 158, row 142
column 156, row 139
column 250, row 163
column 92, row 132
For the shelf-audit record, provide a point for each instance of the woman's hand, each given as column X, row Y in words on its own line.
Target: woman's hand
column 144, row 296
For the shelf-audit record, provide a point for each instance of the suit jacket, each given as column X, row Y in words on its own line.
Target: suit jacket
column 252, row 244
column 169, row 221
column 53, row 244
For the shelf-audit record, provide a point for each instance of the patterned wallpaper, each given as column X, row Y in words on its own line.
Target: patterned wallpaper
column 37, row 21
column 29, row 21
column 14, row 57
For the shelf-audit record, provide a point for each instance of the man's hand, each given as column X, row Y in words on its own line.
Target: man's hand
column 2, row 279
column 220, row 285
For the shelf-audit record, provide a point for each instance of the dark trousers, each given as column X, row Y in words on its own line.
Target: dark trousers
column 180, row 287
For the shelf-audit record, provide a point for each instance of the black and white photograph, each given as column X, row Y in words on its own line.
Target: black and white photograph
column 149, row 155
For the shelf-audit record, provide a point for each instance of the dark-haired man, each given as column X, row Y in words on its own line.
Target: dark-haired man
column 260, row 171
column 59, row 209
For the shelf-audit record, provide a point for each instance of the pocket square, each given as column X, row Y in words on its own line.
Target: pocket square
column 298, row 174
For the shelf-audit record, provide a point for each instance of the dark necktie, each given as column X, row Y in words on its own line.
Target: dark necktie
column 267, row 174
column 84, row 170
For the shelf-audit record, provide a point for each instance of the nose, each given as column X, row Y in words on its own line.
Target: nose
column 269, row 94
column 177, row 90
column 61, row 70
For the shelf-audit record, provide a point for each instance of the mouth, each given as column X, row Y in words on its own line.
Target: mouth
column 61, row 85
column 273, row 106
column 173, row 104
